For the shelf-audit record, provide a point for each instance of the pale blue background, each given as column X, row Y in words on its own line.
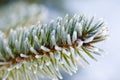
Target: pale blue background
column 108, row 67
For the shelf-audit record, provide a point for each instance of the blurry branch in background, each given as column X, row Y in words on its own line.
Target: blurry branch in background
column 25, row 12
column 21, row 14
column 58, row 5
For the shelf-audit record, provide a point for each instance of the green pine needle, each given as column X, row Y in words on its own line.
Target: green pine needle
column 31, row 53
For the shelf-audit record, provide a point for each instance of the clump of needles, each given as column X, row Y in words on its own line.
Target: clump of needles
column 30, row 53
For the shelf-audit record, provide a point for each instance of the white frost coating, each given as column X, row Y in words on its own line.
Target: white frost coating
column 14, row 33
column 90, row 38
column 105, row 32
column 29, row 67
column 1, row 34
column 37, row 41
column 74, row 36
column 58, row 29
column 75, row 16
column 11, row 68
column 78, row 28
column 52, row 21
column 103, row 28
column 5, row 42
column 57, row 55
column 36, row 38
column 38, row 56
column 9, row 51
column 45, row 49
column 47, row 63
column 59, row 18
column 69, row 39
column 70, row 23
column 18, row 65
column 42, row 33
column 58, row 48
column 23, row 55
column 72, row 51
column 33, row 50
column 63, row 35
column 2, row 63
column 80, row 43
column 51, row 55
column 41, row 66
column 35, row 64
column 57, row 69
column 11, row 31
column 74, row 70
column 25, row 44
column 33, row 33
column 53, row 40
column 78, row 17
column 26, row 39
column 53, row 33
column 17, row 45
column 66, row 18
column 35, row 71
column 66, row 52
column 95, row 49
column 62, row 62
column 5, row 75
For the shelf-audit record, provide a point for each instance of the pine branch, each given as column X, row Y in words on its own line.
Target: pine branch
column 30, row 53
column 14, row 15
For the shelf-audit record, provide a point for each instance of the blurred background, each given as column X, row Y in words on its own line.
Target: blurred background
column 15, row 13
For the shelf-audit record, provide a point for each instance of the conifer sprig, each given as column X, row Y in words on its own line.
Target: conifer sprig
column 30, row 53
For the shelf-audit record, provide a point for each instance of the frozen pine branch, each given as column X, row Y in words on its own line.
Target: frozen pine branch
column 30, row 53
